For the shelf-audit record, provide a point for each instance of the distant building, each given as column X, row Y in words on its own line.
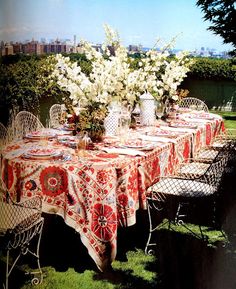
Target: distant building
column 79, row 49
column 17, row 48
column 66, row 46
column 135, row 48
column 32, row 47
column 7, row 50
column 98, row 47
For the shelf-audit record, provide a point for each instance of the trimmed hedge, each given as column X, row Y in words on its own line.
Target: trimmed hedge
column 214, row 69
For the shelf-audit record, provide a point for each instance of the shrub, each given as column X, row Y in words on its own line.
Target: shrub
column 213, row 69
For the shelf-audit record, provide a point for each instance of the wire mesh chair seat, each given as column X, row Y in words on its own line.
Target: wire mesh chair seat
column 55, row 114
column 21, row 227
column 182, row 195
column 193, row 103
column 199, row 165
column 26, row 122
column 228, row 138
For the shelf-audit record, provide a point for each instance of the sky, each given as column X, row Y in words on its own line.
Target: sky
column 137, row 22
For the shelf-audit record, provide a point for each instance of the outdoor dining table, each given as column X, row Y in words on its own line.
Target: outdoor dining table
column 97, row 190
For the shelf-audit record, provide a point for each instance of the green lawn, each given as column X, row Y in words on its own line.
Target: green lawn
column 229, row 118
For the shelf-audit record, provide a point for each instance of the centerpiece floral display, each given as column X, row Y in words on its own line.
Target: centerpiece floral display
column 114, row 78
column 111, row 79
column 166, row 72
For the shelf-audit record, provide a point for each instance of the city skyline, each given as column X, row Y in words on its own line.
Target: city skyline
column 137, row 22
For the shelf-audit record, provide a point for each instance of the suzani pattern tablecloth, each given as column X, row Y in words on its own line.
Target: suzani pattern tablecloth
column 97, row 192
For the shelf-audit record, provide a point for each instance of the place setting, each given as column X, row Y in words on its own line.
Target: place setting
column 35, row 136
column 41, row 153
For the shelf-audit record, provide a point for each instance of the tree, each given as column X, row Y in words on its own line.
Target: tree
column 222, row 15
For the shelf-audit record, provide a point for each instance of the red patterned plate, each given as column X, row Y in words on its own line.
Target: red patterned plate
column 183, row 125
column 42, row 153
column 139, row 145
column 135, row 144
column 37, row 135
column 206, row 116
column 163, row 133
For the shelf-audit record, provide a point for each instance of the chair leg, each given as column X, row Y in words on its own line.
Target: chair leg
column 22, row 243
column 153, row 206
column 182, row 213
column 37, row 280
column 149, row 244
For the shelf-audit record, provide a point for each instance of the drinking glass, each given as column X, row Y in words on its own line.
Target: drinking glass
column 123, row 127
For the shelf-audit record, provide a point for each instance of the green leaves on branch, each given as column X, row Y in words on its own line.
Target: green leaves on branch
column 222, row 15
column 213, row 69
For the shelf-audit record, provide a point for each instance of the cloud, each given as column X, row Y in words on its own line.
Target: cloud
column 13, row 33
column 13, row 30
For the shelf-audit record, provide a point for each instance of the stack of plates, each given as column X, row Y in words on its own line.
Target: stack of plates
column 183, row 124
column 42, row 154
column 39, row 135
column 138, row 145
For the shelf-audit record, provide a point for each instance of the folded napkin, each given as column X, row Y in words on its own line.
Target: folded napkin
column 124, row 151
column 157, row 138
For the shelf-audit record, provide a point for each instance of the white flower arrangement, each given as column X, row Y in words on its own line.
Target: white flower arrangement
column 112, row 77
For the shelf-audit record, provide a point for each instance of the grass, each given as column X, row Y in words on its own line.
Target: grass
column 211, row 236
column 135, row 270
column 229, row 118
column 138, row 270
column 182, row 261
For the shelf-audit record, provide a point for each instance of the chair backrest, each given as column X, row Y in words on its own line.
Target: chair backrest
column 55, row 115
column 3, row 133
column 215, row 171
column 194, row 103
column 26, row 122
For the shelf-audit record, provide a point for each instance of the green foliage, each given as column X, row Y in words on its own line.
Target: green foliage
column 222, row 15
column 47, row 85
column 83, row 62
column 18, row 84
column 11, row 59
column 214, row 69
column 92, row 119
column 23, row 82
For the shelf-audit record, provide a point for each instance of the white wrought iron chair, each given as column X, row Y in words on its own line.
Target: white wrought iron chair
column 225, row 141
column 21, row 227
column 55, row 114
column 188, row 192
column 3, row 135
column 26, row 122
column 194, row 103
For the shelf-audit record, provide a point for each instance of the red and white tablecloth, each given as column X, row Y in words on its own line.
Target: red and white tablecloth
column 99, row 191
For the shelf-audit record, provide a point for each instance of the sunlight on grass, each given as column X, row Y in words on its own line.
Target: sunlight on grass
column 229, row 120
column 137, row 262
column 134, row 273
column 69, row 280
column 212, row 237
